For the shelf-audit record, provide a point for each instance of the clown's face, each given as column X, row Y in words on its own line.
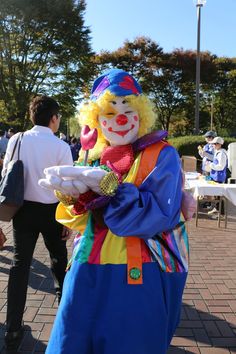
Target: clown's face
column 119, row 122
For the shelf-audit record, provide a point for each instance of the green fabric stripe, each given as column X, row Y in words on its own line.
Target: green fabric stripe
column 172, row 257
column 86, row 242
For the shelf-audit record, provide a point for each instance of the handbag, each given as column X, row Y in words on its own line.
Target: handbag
column 12, row 185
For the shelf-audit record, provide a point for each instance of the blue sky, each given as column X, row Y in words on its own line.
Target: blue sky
column 171, row 23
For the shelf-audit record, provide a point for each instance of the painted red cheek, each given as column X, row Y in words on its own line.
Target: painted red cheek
column 104, row 123
column 136, row 118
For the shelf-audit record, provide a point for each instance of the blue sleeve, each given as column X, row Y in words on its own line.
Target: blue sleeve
column 154, row 206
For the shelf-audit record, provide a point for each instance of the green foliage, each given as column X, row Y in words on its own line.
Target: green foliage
column 225, row 94
column 169, row 80
column 74, row 127
column 45, row 49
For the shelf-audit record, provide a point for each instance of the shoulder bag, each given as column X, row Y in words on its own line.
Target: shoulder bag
column 12, row 185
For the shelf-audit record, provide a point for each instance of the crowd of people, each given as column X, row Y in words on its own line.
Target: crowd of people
column 74, row 143
column 126, row 205
column 4, row 138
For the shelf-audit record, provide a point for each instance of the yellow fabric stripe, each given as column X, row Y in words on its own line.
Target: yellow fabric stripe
column 114, row 247
column 113, row 250
column 65, row 217
column 130, row 178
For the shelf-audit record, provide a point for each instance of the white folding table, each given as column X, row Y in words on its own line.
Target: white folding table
column 204, row 188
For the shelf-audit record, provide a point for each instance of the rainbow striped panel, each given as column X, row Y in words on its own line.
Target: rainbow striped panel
column 98, row 245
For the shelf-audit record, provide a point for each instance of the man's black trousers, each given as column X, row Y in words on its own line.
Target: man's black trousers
column 31, row 220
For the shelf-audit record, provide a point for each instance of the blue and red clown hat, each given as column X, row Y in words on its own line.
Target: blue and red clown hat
column 118, row 82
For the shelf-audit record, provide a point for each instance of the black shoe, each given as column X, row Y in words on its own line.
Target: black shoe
column 13, row 339
column 58, row 296
column 206, row 205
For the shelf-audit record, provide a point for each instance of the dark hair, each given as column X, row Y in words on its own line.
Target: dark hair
column 41, row 110
column 74, row 140
column 210, row 134
column 11, row 130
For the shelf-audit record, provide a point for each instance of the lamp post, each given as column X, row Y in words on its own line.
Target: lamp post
column 199, row 5
column 212, row 111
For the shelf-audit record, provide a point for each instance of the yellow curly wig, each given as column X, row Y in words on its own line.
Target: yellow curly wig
column 90, row 111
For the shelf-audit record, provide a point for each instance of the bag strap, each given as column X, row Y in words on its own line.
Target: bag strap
column 17, row 144
column 134, row 244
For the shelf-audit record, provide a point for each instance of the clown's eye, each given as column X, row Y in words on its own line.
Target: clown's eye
column 113, row 102
column 124, row 101
column 110, row 114
column 128, row 112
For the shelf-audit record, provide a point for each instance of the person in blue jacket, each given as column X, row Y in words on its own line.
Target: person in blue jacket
column 125, row 280
column 218, row 169
column 220, row 161
column 207, row 151
column 75, row 148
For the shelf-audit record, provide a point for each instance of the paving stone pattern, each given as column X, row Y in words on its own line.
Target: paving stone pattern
column 208, row 319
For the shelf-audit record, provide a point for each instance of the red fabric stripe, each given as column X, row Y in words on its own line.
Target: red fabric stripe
column 99, row 236
column 145, row 252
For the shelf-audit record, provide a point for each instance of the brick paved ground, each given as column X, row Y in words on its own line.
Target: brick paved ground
column 208, row 321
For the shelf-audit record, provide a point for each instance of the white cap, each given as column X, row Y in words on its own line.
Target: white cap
column 218, row 140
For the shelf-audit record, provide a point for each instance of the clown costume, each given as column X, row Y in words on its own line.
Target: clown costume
column 123, row 289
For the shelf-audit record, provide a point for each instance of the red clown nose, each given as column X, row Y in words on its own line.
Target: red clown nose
column 121, row 119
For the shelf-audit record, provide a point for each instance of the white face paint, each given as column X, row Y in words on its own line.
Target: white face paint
column 120, row 125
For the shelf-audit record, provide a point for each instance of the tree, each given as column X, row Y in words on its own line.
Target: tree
column 144, row 59
column 225, row 94
column 168, row 78
column 44, row 48
column 184, row 63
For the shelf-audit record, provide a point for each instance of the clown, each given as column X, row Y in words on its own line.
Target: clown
column 124, row 285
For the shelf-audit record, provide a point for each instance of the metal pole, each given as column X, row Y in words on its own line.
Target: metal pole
column 212, row 111
column 197, row 69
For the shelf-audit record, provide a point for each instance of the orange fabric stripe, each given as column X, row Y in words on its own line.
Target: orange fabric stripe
column 134, row 244
column 134, row 258
column 148, row 161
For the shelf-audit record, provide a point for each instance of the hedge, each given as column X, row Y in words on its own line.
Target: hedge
column 188, row 145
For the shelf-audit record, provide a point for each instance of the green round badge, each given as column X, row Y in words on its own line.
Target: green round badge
column 135, row 273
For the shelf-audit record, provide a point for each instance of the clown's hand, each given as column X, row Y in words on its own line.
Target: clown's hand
column 92, row 177
column 65, row 172
column 50, row 183
column 100, row 181
column 82, row 178
column 66, row 185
